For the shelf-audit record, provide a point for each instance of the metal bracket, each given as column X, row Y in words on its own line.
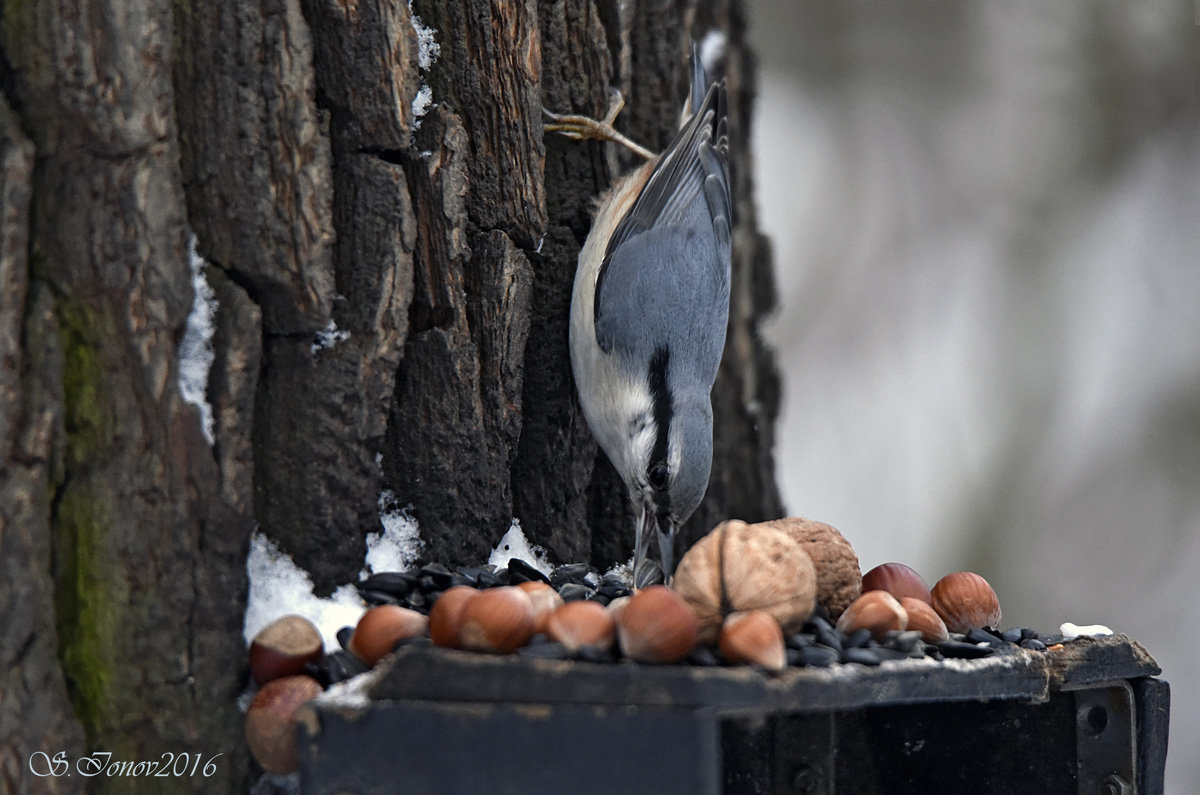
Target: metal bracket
column 1106, row 739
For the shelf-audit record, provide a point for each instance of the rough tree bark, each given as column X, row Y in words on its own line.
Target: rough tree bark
column 35, row 715
column 133, row 561
column 283, row 134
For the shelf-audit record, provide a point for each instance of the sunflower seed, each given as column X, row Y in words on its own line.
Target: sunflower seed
column 519, row 571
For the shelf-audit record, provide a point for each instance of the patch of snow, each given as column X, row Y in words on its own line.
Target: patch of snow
column 514, row 544
column 279, row 587
column 421, row 104
column 428, row 51
column 352, row 692
column 398, row 546
column 623, row 571
column 329, row 336
column 195, row 349
column 1071, row 631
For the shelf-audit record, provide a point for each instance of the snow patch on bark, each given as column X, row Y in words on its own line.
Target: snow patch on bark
column 195, row 349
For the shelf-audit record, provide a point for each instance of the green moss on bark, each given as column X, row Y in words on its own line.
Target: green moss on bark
column 89, row 604
column 90, row 599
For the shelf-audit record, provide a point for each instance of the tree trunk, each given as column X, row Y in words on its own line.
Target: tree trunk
column 35, row 716
column 392, row 292
column 130, row 548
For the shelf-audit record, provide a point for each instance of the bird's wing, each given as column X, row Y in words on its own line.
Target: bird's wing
column 667, row 298
column 686, row 203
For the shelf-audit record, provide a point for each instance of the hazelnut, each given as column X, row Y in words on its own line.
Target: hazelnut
column 617, row 606
column 839, row 579
column 381, row 628
column 965, row 600
column 582, row 624
column 877, row 611
column 657, row 626
column 740, row 567
column 924, row 619
column 271, row 721
column 545, row 601
column 446, row 616
column 898, row 580
column 283, row 648
column 755, row 638
column 498, row 620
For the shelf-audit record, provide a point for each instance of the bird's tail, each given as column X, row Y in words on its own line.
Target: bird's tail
column 705, row 58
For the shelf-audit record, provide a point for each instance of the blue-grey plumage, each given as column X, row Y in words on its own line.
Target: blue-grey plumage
column 648, row 317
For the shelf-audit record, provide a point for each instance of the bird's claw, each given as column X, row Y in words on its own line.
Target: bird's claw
column 580, row 128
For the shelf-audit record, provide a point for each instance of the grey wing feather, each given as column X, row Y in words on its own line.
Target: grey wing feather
column 700, row 81
column 689, row 189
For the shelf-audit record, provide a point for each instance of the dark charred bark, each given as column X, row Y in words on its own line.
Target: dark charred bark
column 392, row 297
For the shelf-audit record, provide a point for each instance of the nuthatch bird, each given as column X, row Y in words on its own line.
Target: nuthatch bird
column 648, row 316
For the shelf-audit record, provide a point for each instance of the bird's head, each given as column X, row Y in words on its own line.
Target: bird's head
column 668, row 475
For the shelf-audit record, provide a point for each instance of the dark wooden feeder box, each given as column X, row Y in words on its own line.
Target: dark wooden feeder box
column 1089, row 717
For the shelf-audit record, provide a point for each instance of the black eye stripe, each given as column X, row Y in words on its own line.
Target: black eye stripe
column 660, row 395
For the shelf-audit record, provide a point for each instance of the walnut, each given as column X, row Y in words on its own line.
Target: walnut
column 739, row 567
column 839, row 579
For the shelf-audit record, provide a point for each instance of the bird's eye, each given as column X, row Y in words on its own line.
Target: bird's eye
column 659, row 476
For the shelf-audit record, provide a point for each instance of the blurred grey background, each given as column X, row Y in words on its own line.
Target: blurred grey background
column 986, row 220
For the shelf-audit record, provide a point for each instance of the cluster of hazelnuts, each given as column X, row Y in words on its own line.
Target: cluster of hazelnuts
column 742, row 588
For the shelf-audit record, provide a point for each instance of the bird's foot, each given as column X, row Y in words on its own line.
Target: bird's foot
column 580, row 128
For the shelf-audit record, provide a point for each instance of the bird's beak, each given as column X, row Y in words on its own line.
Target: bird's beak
column 666, row 548
column 645, row 571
